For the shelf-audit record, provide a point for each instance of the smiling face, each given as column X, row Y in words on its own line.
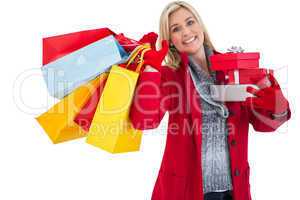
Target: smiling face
column 185, row 31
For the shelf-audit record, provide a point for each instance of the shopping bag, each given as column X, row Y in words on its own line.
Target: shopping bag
column 58, row 123
column 65, row 74
column 130, row 44
column 86, row 114
column 111, row 128
column 55, row 47
column 127, row 43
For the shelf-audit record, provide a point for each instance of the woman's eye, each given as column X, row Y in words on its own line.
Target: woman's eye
column 175, row 29
column 190, row 22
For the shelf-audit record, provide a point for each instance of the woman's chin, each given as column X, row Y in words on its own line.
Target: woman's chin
column 192, row 50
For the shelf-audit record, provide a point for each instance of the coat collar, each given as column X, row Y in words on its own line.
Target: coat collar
column 185, row 59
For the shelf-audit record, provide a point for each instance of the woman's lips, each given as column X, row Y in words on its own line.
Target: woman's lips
column 189, row 41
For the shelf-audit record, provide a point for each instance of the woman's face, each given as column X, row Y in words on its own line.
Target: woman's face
column 185, row 31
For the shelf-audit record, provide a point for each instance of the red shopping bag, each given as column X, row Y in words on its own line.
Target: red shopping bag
column 130, row 44
column 127, row 43
column 85, row 116
column 55, row 47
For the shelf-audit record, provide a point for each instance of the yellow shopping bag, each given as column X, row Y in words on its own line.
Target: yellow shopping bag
column 111, row 129
column 58, row 121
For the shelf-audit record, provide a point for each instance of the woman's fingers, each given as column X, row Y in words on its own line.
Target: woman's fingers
column 252, row 90
column 164, row 48
column 149, row 38
column 273, row 81
column 261, row 83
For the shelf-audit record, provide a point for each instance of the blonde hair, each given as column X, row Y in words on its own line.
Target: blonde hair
column 173, row 57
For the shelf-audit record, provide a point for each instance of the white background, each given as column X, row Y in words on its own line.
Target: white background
column 33, row 168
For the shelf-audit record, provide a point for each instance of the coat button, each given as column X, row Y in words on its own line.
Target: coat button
column 236, row 172
column 233, row 143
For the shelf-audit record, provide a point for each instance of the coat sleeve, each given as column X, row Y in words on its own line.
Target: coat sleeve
column 150, row 101
column 263, row 121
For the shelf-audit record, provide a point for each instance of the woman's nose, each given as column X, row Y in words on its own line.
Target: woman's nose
column 186, row 32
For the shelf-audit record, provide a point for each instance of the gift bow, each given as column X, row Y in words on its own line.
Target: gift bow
column 235, row 49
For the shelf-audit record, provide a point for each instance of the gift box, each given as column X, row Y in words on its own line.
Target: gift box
column 232, row 84
column 231, row 61
column 232, row 93
column 246, row 76
column 238, row 67
column 235, row 72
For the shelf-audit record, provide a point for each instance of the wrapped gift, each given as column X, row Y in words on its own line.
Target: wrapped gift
column 237, row 67
column 236, row 71
column 232, row 84
column 231, row 61
column 246, row 76
column 232, row 93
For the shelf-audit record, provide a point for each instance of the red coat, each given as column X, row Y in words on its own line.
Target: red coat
column 180, row 174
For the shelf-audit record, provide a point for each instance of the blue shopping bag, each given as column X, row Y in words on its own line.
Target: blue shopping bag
column 67, row 73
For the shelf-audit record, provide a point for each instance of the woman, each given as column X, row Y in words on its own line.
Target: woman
column 206, row 149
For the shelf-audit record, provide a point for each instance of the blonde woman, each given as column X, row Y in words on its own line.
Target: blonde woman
column 206, row 149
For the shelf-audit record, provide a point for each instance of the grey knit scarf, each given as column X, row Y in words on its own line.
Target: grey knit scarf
column 215, row 156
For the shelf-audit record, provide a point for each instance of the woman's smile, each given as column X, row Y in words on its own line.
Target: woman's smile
column 190, row 41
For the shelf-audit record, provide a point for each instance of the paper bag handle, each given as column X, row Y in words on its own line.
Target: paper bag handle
column 139, row 49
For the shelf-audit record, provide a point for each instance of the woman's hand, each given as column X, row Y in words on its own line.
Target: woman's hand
column 149, row 38
column 154, row 58
column 268, row 98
